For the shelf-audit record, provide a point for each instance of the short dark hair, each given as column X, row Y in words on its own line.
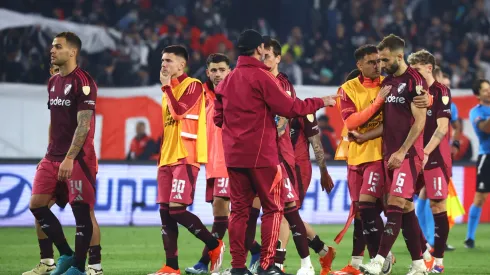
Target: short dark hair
column 217, row 58
column 322, row 118
column 353, row 74
column 72, row 39
column 392, row 42
column 364, row 50
column 178, row 50
column 477, row 85
column 275, row 45
column 249, row 52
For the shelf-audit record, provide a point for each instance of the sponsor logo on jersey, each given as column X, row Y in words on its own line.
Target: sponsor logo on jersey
column 59, row 102
column 429, row 112
column 395, row 99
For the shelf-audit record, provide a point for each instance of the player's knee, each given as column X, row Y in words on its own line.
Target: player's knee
column 438, row 206
column 367, row 198
column 479, row 199
column 409, row 207
column 290, row 204
column 38, row 201
column 256, row 203
column 397, row 201
column 221, row 207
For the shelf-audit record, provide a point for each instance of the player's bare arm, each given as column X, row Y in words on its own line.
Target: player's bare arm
column 282, row 123
column 369, row 135
column 325, row 179
column 419, row 115
column 484, row 126
column 435, row 140
column 81, row 132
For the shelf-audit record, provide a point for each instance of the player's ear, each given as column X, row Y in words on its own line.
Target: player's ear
column 278, row 59
column 207, row 72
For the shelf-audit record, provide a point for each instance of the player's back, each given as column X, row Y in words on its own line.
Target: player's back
column 284, row 143
column 68, row 95
column 478, row 114
column 397, row 114
column 441, row 107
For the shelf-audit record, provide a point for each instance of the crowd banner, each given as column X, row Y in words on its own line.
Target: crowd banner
column 126, row 195
column 117, row 112
column 94, row 38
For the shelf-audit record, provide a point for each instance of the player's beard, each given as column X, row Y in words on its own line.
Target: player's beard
column 393, row 68
column 216, row 82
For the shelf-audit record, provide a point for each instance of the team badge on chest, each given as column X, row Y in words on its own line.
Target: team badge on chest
column 401, row 87
column 67, row 89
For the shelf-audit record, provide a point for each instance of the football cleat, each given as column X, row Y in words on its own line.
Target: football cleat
column 63, row 264
column 437, row 269
column 469, row 243
column 375, row 267
column 306, row 271
column 388, row 264
column 272, row 270
column 41, row 269
column 216, row 257
column 449, row 248
column 198, row 268
column 91, row 270
column 347, row 270
column 74, row 271
column 326, row 261
column 166, row 270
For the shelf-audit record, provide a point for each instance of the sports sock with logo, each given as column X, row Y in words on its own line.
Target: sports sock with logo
column 220, row 225
column 52, row 228
column 46, row 248
column 411, row 233
column 81, row 211
column 358, row 240
column 170, row 234
column 441, row 234
column 473, row 220
column 392, row 229
column 372, row 228
column 194, row 225
column 298, row 230
column 94, row 256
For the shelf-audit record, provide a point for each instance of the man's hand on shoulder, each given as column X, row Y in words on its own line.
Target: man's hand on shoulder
column 330, row 100
column 423, row 101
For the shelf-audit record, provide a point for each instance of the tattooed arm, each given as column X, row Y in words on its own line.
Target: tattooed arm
column 83, row 120
column 282, row 123
column 325, row 180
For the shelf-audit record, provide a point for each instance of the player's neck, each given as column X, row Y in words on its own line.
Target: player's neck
column 67, row 68
column 484, row 103
column 177, row 75
column 430, row 81
column 275, row 72
column 401, row 69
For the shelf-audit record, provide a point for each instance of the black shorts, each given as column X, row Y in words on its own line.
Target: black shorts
column 483, row 174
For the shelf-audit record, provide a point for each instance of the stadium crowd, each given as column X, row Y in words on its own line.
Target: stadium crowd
column 319, row 36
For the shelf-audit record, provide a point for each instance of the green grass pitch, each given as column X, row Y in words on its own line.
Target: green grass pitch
column 139, row 250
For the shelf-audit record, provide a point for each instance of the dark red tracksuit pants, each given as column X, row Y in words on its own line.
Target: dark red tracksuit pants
column 245, row 184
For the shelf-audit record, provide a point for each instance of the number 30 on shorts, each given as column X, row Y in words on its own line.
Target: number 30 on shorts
column 178, row 186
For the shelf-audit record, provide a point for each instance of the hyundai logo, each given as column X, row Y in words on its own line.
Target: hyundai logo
column 15, row 192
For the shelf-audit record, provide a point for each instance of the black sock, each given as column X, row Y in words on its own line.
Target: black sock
column 173, row 262
column 255, row 249
column 46, row 248
column 94, row 256
column 52, row 228
column 81, row 211
column 316, row 244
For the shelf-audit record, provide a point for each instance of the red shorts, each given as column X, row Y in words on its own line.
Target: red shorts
column 177, row 183
column 436, row 183
column 401, row 182
column 303, row 177
column 367, row 178
column 290, row 186
column 79, row 188
column 217, row 187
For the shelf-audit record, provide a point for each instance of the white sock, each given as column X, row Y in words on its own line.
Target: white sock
column 47, row 261
column 419, row 265
column 95, row 266
column 379, row 258
column 306, row 262
column 356, row 261
column 324, row 251
column 427, row 255
column 439, row 261
column 389, row 254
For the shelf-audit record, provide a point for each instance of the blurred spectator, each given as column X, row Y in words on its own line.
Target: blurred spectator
column 291, row 68
column 142, row 146
column 328, row 138
column 465, row 152
column 318, row 36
